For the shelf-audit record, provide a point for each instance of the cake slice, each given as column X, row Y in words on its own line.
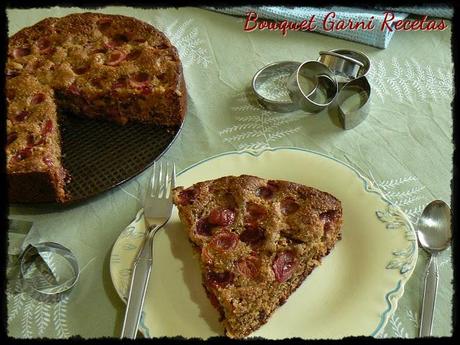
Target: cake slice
column 33, row 147
column 257, row 241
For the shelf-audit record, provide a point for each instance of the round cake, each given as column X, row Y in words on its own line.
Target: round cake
column 108, row 67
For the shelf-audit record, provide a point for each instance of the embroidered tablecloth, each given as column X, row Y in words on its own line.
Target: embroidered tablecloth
column 404, row 146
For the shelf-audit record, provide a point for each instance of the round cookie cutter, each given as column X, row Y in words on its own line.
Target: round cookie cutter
column 342, row 65
column 346, row 64
column 269, row 86
column 43, row 278
column 353, row 102
column 312, row 86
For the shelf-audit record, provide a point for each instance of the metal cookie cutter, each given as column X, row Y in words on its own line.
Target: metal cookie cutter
column 48, row 268
column 269, row 85
column 344, row 67
column 312, row 86
column 353, row 102
column 346, row 64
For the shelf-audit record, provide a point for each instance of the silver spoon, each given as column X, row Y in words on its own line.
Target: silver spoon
column 434, row 234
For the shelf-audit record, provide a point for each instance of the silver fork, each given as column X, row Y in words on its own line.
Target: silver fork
column 157, row 211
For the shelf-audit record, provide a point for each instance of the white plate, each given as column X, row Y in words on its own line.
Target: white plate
column 353, row 292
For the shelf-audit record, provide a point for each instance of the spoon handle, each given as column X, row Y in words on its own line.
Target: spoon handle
column 429, row 297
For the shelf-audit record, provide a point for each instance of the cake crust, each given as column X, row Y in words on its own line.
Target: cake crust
column 257, row 241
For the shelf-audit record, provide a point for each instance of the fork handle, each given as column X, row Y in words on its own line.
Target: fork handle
column 138, row 288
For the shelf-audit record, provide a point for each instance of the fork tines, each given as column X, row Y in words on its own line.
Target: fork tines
column 163, row 179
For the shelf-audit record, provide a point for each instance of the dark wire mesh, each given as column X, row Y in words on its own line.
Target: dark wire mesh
column 101, row 155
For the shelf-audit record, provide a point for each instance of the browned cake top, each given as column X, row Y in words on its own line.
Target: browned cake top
column 280, row 207
column 92, row 52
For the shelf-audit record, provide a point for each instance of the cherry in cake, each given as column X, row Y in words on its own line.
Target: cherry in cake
column 257, row 241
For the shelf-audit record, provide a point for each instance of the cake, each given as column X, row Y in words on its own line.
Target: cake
column 107, row 67
column 257, row 240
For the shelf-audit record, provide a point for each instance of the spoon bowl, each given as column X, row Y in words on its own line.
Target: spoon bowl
column 434, row 234
column 433, row 227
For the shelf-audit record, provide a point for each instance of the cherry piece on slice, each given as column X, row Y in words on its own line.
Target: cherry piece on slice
column 162, row 46
column 37, row 98
column 11, row 137
column 224, row 240
column 82, row 69
column 121, row 82
column 219, row 279
column 328, row 217
column 140, row 78
column 12, row 73
column 289, row 206
column 252, row 235
column 21, row 116
column 187, row 196
column 46, row 130
column 47, row 127
column 73, row 89
column 213, row 299
column 249, row 266
column 20, row 52
column 268, row 191
column 203, row 228
column 118, row 40
column 264, row 192
column 221, row 217
column 255, row 211
column 97, row 82
column 133, row 55
column 97, row 50
column 139, row 40
column 10, row 94
column 146, row 90
column 44, row 44
column 206, row 257
column 284, row 265
column 30, row 140
column 23, row 154
column 48, row 161
column 115, row 58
